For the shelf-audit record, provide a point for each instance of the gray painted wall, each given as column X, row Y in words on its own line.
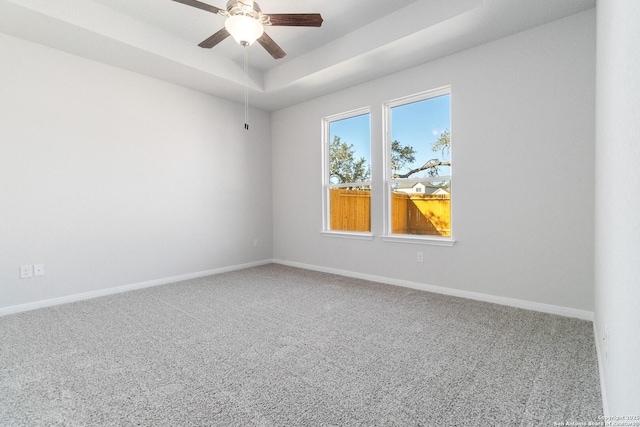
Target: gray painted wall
column 523, row 156
column 110, row 178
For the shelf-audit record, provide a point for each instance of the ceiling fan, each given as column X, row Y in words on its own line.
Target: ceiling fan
column 245, row 23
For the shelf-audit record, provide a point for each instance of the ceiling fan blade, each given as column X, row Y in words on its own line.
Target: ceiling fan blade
column 200, row 5
column 271, row 46
column 296, row 19
column 215, row 39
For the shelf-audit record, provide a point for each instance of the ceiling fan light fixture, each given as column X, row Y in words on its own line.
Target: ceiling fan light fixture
column 244, row 29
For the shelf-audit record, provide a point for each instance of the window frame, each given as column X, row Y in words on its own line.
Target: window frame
column 326, row 176
column 388, row 236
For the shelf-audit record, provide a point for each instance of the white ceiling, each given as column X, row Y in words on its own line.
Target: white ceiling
column 358, row 41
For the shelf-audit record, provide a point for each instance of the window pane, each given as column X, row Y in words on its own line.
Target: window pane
column 420, row 175
column 421, row 208
column 350, row 209
column 350, row 150
column 349, row 174
column 420, row 138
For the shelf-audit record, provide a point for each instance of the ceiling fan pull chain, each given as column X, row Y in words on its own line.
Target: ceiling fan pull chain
column 246, row 87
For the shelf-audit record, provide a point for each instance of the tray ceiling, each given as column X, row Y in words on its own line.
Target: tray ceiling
column 159, row 38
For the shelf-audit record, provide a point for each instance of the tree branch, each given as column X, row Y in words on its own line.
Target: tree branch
column 431, row 164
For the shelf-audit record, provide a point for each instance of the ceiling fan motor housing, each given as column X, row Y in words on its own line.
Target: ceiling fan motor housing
column 244, row 21
column 244, row 7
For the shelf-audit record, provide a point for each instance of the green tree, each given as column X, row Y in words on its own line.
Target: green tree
column 343, row 166
column 401, row 155
column 443, row 144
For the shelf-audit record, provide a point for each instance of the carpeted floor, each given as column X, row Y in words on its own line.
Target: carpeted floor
column 276, row 346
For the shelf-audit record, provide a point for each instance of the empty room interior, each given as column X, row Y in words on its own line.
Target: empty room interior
column 472, row 262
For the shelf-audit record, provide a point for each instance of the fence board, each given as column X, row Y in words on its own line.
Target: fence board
column 427, row 215
column 410, row 213
column 350, row 210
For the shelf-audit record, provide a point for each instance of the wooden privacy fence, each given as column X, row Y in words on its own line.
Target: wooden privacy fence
column 421, row 214
column 350, row 209
column 410, row 213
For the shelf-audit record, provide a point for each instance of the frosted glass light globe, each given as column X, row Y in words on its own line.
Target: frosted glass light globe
column 244, row 29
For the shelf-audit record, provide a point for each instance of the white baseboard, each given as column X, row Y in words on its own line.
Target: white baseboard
column 601, row 360
column 511, row 302
column 118, row 289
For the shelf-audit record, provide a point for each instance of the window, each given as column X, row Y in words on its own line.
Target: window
column 347, row 172
column 418, row 167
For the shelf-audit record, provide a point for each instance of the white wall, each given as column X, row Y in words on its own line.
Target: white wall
column 110, row 178
column 617, row 272
column 523, row 153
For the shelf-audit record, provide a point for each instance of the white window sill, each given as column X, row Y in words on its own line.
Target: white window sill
column 348, row 235
column 420, row 240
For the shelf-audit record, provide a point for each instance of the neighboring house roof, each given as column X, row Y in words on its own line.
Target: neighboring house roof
column 428, row 188
column 404, row 185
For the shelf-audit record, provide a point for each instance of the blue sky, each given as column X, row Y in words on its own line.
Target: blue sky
column 418, row 124
column 354, row 130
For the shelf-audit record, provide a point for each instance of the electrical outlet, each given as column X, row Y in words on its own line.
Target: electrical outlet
column 419, row 257
column 38, row 269
column 26, row 271
column 256, row 243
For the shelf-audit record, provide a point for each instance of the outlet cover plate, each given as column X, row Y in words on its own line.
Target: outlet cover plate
column 26, row 271
column 38, row 269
